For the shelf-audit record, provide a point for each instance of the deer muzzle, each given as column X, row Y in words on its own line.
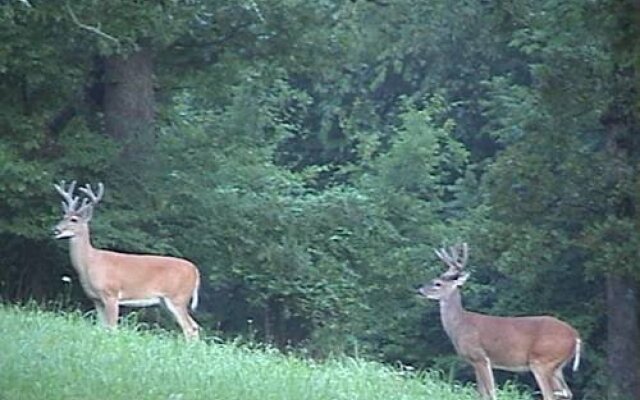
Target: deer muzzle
column 59, row 233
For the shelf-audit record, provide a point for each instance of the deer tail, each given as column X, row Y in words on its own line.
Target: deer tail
column 576, row 356
column 194, row 296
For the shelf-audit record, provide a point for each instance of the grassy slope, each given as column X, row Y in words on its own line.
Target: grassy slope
column 48, row 356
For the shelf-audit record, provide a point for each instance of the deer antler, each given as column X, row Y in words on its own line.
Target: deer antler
column 70, row 202
column 93, row 198
column 454, row 260
column 461, row 259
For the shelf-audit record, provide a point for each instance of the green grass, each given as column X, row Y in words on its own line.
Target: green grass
column 63, row 356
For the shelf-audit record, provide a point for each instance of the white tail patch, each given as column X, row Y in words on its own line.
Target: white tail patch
column 576, row 357
column 194, row 296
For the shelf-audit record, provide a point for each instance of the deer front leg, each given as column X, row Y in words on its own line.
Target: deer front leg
column 109, row 311
column 484, row 378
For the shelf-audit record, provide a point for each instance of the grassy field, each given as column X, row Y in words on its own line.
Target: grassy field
column 63, row 356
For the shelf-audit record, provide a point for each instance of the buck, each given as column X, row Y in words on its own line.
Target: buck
column 540, row 344
column 111, row 279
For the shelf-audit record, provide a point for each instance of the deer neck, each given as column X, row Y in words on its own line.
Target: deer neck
column 452, row 313
column 80, row 251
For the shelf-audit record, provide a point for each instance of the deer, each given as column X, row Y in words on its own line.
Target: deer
column 112, row 279
column 542, row 345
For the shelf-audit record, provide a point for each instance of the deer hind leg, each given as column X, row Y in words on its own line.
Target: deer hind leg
column 545, row 378
column 484, row 378
column 179, row 310
column 560, row 388
column 194, row 327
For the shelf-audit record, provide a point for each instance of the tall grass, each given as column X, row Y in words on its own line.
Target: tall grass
column 63, row 356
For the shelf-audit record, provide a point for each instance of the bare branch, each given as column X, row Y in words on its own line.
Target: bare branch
column 256, row 9
column 89, row 28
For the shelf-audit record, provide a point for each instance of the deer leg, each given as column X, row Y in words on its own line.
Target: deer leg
column 180, row 313
column 108, row 311
column 100, row 312
column 194, row 327
column 560, row 388
column 484, row 378
column 111, row 312
column 544, row 378
column 194, row 324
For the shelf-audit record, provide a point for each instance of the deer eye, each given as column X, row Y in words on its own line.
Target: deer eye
column 73, row 219
column 437, row 284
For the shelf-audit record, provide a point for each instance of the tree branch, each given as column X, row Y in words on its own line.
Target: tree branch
column 93, row 29
column 60, row 120
column 256, row 9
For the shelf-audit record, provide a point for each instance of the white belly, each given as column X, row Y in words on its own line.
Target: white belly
column 139, row 302
column 523, row 368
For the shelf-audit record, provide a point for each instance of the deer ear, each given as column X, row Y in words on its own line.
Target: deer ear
column 461, row 279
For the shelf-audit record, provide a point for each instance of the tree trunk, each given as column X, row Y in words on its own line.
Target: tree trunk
column 623, row 333
column 268, row 323
column 622, row 339
column 129, row 106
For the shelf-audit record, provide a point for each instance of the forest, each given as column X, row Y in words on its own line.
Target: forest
column 309, row 156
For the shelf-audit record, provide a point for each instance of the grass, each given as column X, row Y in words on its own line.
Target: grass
column 51, row 356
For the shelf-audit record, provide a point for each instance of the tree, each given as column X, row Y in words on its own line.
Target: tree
column 567, row 177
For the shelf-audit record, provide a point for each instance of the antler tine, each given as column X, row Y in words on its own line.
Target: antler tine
column 454, row 254
column 465, row 255
column 460, row 259
column 448, row 260
column 70, row 201
column 456, row 258
column 442, row 255
column 94, row 198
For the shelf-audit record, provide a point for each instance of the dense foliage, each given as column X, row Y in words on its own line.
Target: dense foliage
column 308, row 156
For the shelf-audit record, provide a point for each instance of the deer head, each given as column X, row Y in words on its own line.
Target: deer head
column 76, row 214
column 450, row 280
